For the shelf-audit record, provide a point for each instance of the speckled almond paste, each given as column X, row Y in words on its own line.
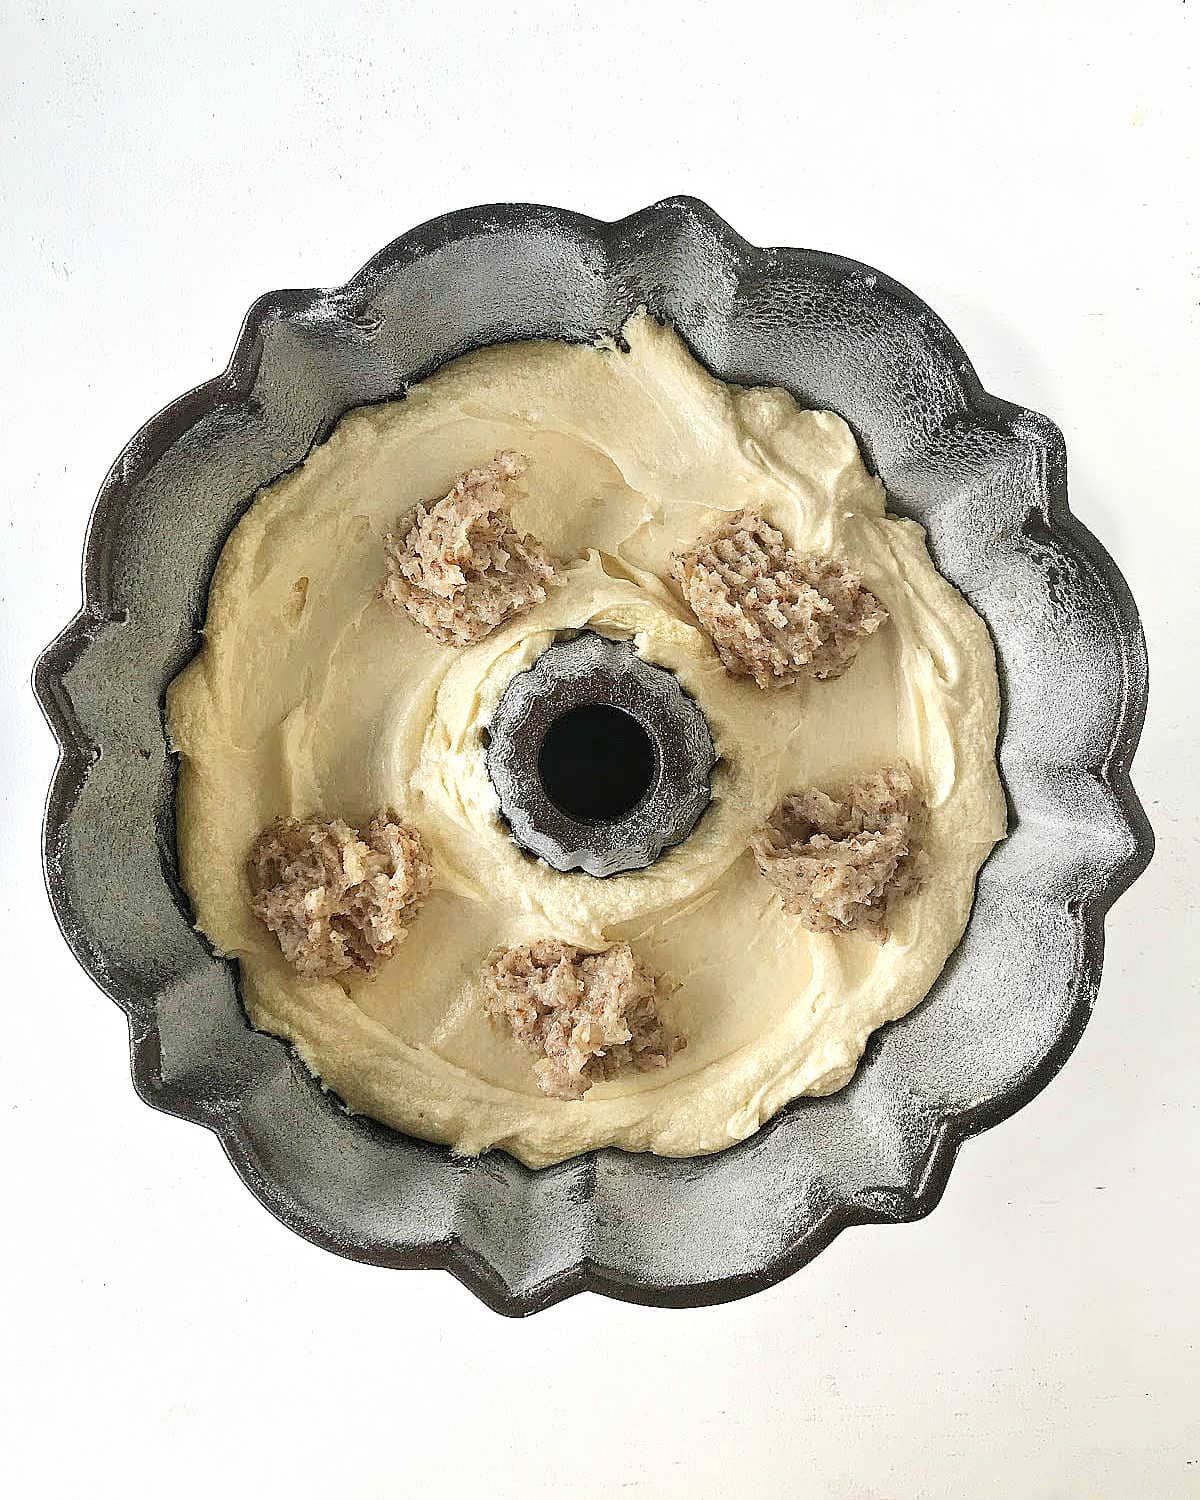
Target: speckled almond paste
column 312, row 696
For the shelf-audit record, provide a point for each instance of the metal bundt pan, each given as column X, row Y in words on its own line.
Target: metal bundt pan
column 986, row 478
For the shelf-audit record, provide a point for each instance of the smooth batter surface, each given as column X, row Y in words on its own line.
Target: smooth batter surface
column 312, row 696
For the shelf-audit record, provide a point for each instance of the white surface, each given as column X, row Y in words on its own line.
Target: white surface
column 1028, row 169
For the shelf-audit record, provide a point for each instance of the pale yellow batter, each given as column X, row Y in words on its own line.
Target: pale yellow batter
column 312, row 696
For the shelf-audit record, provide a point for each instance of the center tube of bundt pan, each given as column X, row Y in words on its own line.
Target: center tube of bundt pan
column 599, row 759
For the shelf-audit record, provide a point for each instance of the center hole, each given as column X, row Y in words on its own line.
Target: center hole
column 596, row 763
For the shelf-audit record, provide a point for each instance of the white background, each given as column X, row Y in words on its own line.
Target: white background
column 1027, row 168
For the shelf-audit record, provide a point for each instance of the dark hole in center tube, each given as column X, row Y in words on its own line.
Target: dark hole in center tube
column 596, row 763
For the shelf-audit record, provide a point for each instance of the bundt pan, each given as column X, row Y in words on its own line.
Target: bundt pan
column 988, row 481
